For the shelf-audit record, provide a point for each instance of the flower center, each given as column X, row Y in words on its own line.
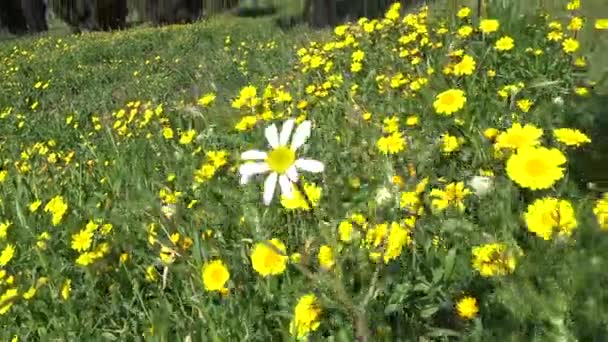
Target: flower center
column 535, row 167
column 280, row 159
column 448, row 99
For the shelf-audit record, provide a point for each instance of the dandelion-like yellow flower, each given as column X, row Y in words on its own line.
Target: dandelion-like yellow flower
column 326, row 257
column 489, row 25
column 453, row 195
column 450, row 143
column 57, row 206
column 7, row 255
column 398, row 238
column 269, row 258
column 570, row 45
column 548, row 216
column 449, row 101
column 536, row 168
column 306, row 316
column 571, row 137
column 601, row 212
column 505, row 43
column 466, row 66
column 391, row 144
column 518, row 136
column 493, row 259
column 82, row 240
column 467, row 307
column 215, row 275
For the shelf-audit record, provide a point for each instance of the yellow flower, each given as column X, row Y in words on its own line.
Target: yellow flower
column 467, row 307
column 524, row 105
column 536, row 168
column 167, row 133
column 398, row 237
column 576, row 23
column 297, row 201
column 186, row 138
column 463, row 12
column 66, row 289
column 493, row 259
column 4, row 229
column 326, row 257
column 505, row 43
column 518, row 136
column 547, row 216
column 391, row 144
column 465, row 31
column 601, row 24
column 86, row 258
column 555, row 36
column 7, row 254
column 82, row 240
column 453, row 195
column 3, row 175
column 571, row 137
column 345, row 231
column 30, row 293
column 450, row 143
column 570, row 45
column 466, row 66
column 601, row 212
column 306, row 316
column 489, row 25
column 7, row 299
column 206, row 99
column 151, row 274
column 215, row 275
column 57, row 207
column 490, row 133
column 449, row 101
column 269, row 258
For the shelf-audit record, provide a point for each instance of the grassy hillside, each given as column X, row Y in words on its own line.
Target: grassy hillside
column 444, row 202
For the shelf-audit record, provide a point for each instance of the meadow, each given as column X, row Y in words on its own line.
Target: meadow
column 413, row 177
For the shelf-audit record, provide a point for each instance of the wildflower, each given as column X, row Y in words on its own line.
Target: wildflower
column 493, row 259
column 297, row 201
column 576, row 23
column 281, row 160
column 66, row 289
column 215, row 275
column 391, row 144
column 345, row 231
column 6, row 300
column 453, row 195
column 570, row 45
column 536, row 168
column 505, row 43
column 269, row 258
column 4, row 229
column 524, row 105
column 467, row 307
column 491, row 133
column 86, row 258
column 601, row 24
column 547, row 216
column 465, row 31
column 450, row 143
column 463, row 12
column 571, row 137
column 247, row 97
column 306, row 316
column 151, row 274
column 466, row 66
column 449, row 101
column 185, row 138
column 7, row 255
column 57, row 207
column 398, row 237
column 489, row 25
column 601, row 212
column 206, row 99
column 518, row 136
column 82, row 240
column 326, row 257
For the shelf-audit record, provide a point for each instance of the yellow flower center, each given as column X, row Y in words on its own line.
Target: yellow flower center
column 280, row 159
column 535, row 167
column 448, row 99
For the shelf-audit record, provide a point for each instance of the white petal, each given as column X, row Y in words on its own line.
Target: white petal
column 269, row 185
column 286, row 187
column 249, row 169
column 310, row 165
column 272, row 135
column 286, row 132
column 245, row 179
column 292, row 173
column 254, row 155
column 301, row 135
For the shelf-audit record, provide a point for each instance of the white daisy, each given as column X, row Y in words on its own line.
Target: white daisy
column 281, row 160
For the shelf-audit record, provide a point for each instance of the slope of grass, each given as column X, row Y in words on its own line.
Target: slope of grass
column 122, row 181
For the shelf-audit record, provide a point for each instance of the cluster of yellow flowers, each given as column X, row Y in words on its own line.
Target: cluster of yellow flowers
column 89, row 242
column 493, row 259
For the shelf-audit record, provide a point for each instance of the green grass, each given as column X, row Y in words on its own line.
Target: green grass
column 85, row 117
